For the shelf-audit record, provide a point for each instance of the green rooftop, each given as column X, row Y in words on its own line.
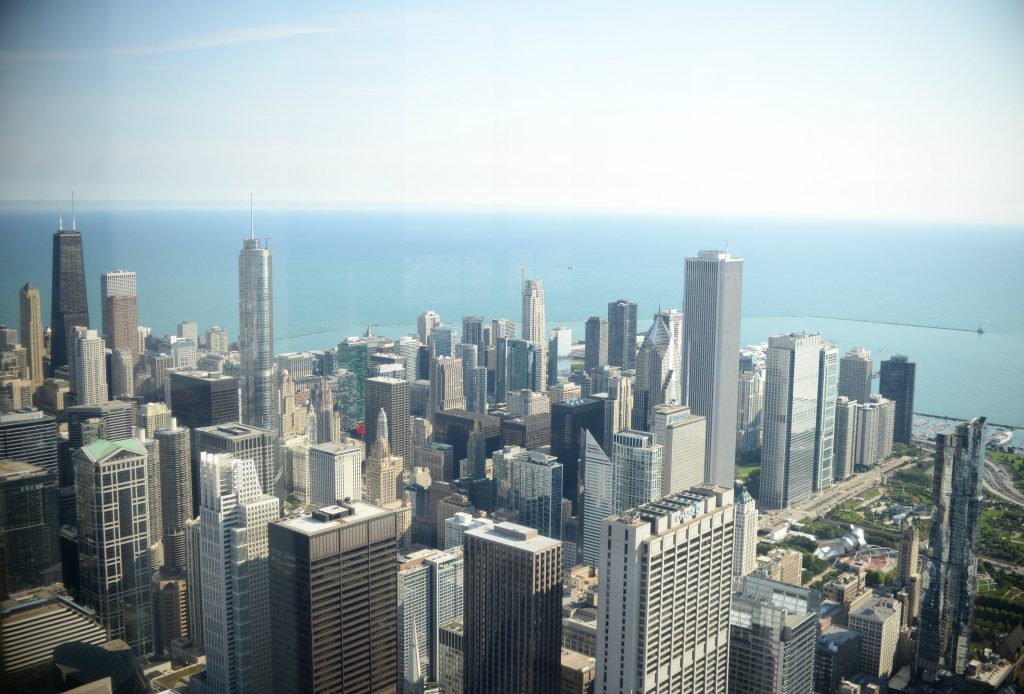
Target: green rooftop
column 101, row 448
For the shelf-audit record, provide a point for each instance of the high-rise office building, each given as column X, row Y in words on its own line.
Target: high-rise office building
column 535, row 491
column 203, row 399
column 875, row 420
column 598, row 498
column 335, row 473
column 256, row 336
column 519, row 364
column 907, row 565
column 32, row 333
column 90, row 381
column 430, row 595
column 120, row 311
column 446, row 385
column 392, row 396
column 473, row 332
column 114, row 555
column 750, row 408
column 28, row 527
column 513, row 610
column 638, row 464
column 825, row 424
column 878, row 621
column 427, row 321
column 622, row 334
column 656, row 383
column 896, row 383
column 559, row 355
column 568, row 420
column 533, row 312
column 773, row 637
column 383, row 470
column 217, row 340
column 618, row 409
column 947, row 609
column 711, row 340
column 790, row 420
column 30, row 437
column 845, row 440
column 69, row 304
column 683, row 436
column 855, row 375
column 334, row 612
column 441, row 341
column 744, row 554
column 234, row 516
column 116, row 417
column 502, row 327
column 595, row 350
column 242, row 442
column 663, row 602
column 175, row 453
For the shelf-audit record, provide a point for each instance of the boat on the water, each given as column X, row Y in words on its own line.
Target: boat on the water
column 1001, row 437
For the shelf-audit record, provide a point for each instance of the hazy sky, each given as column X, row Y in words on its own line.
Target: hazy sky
column 876, row 109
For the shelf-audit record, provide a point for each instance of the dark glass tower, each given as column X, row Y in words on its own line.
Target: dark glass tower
column 69, row 305
column 622, row 334
column 896, row 382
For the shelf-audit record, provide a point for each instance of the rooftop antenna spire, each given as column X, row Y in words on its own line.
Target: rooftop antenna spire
column 72, row 209
column 60, row 218
column 252, row 226
column 522, row 277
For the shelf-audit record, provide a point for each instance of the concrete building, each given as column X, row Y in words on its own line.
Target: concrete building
column 875, row 420
column 392, row 396
column 90, row 368
column 773, row 637
column 217, row 340
column 750, row 402
column 790, row 420
column 780, row 564
column 598, row 498
column 578, row 673
column 947, row 609
column 30, row 436
column 29, row 303
column 907, row 565
column 533, row 313
column 845, row 441
column 837, row 657
column 245, row 443
column 175, row 478
column 683, row 436
column 335, row 473
column 456, row 527
column 622, row 334
column 450, row 669
column 526, row 402
column 425, row 322
column 896, row 383
column 118, row 294
column 512, row 613
column 256, row 337
column 334, row 613
column 878, row 621
column 122, row 374
column 234, row 516
column 855, row 372
column 711, row 340
column 446, row 385
column 113, row 539
column 663, row 605
column 637, row 464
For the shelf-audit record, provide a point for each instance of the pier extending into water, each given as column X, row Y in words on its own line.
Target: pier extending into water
column 906, row 325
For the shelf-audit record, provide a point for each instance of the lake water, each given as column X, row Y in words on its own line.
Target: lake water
column 335, row 272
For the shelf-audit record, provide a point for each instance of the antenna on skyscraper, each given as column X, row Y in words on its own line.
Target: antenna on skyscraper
column 252, row 225
column 522, row 277
column 72, row 209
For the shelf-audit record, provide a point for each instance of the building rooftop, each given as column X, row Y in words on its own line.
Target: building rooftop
column 835, row 636
column 234, row 430
column 15, row 469
column 676, row 509
column 26, row 414
column 515, row 535
column 331, row 517
column 577, row 661
column 877, row 609
column 102, row 449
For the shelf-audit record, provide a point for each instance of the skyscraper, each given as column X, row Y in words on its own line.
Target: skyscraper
column 30, row 437
column 32, row 333
column 175, row 490
column 335, row 473
column 896, row 383
column 446, row 385
column 559, row 355
column 334, row 612
column 256, row 336
column 120, row 311
column 234, row 515
column 908, row 555
column 773, row 637
column 383, row 470
column 535, row 491
column 875, row 420
column 855, row 375
column 683, row 436
column 663, row 602
column 114, row 559
column 790, row 416
column 595, row 351
column 744, row 546
column 655, row 382
column 533, row 313
column 568, row 420
column 241, row 442
column 638, row 465
column 824, row 440
column 392, row 396
column 513, row 610
column 845, row 438
column 426, row 322
column 122, row 374
column 473, row 332
column 622, row 333
column 28, row 527
column 69, row 303
column 441, row 340
column 711, row 340
column 947, row 609
column 598, row 498
column 90, row 381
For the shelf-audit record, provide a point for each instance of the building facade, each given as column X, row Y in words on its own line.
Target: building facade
column 896, row 383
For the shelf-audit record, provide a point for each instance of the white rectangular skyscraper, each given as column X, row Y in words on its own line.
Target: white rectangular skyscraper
column 711, row 343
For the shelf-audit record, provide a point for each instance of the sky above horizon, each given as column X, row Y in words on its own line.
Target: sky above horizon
column 877, row 110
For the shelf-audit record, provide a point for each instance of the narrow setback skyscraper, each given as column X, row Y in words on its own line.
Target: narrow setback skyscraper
column 256, row 336
column 32, row 332
column 711, row 343
column 896, row 382
column 533, row 313
column 69, row 304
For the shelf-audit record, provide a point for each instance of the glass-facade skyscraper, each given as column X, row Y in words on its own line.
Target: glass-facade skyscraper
column 69, row 303
column 256, row 336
